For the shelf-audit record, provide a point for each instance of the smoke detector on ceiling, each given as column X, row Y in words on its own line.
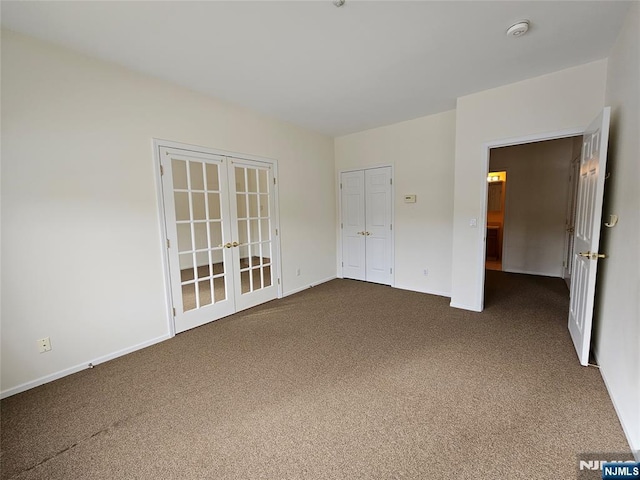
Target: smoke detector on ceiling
column 518, row 29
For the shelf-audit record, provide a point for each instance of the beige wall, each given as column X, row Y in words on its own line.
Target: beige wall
column 617, row 315
column 564, row 100
column 81, row 242
column 536, row 201
column 421, row 152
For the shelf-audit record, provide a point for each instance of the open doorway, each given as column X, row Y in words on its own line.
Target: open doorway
column 530, row 222
column 496, row 195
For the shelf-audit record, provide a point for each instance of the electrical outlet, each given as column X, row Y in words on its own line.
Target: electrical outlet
column 425, row 272
column 44, row 344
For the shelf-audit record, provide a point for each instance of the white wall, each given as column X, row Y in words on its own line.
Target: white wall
column 81, row 242
column 536, row 202
column 564, row 100
column 617, row 315
column 421, row 152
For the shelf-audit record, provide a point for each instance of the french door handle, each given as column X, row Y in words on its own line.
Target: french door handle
column 226, row 245
column 235, row 244
column 592, row 255
column 360, row 233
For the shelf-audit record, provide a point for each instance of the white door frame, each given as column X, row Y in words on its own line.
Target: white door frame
column 156, row 143
column 482, row 221
column 393, row 216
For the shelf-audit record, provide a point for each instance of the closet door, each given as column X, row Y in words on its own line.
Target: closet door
column 378, row 216
column 196, row 209
column 254, row 232
column 366, row 225
column 353, row 225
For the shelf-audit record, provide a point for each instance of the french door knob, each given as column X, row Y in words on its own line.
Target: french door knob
column 226, row 245
column 592, row 255
column 235, row 244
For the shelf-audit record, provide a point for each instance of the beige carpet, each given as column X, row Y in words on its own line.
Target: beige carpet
column 346, row 380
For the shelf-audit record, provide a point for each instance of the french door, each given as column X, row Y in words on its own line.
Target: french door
column 366, row 225
column 220, row 222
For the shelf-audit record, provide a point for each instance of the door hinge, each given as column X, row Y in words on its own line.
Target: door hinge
column 278, row 281
column 391, row 270
column 276, row 232
column 342, row 225
column 274, row 180
column 391, row 226
column 340, row 185
column 168, row 243
column 391, row 181
column 342, row 264
column 161, row 170
column 174, row 311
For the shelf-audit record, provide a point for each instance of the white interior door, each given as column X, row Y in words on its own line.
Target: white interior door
column 196, row 209
column 254, row 232
column 378, row 225
column 587, row 232
column 353, row 225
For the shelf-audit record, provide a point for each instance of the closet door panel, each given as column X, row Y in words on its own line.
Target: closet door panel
column 378, row 216
column 353, row 225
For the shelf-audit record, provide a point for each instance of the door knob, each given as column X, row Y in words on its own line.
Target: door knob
column 367, row 233
column 235, row 244
column 570, row 230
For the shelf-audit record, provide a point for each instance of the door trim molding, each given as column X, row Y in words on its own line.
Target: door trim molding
column 482, row 221
column 156, row 144
column 393, row 218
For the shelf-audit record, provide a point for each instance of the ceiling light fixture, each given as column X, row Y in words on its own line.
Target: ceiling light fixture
column 518, row 29
column 338, row 3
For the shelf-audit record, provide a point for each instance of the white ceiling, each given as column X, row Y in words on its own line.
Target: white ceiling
column 333, row 70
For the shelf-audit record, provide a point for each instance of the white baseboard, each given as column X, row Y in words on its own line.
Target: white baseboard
column 635, row 448
column 83, row 366
column 530, row 272
column 298, row 290
column 462, row 306
column 425, row 290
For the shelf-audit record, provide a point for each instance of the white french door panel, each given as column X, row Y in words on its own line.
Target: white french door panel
column 353, row 225
column 378, row 225
column 221, row 228
column 196, row 211
column 587, row 233
column 254, row 232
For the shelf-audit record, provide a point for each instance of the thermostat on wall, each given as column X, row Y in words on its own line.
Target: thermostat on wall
column 409, row 199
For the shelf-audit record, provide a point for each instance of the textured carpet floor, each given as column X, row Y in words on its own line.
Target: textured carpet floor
column 346, row 380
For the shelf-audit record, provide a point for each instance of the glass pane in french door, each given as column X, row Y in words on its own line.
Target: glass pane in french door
column 199, row 225
column 254, row 227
